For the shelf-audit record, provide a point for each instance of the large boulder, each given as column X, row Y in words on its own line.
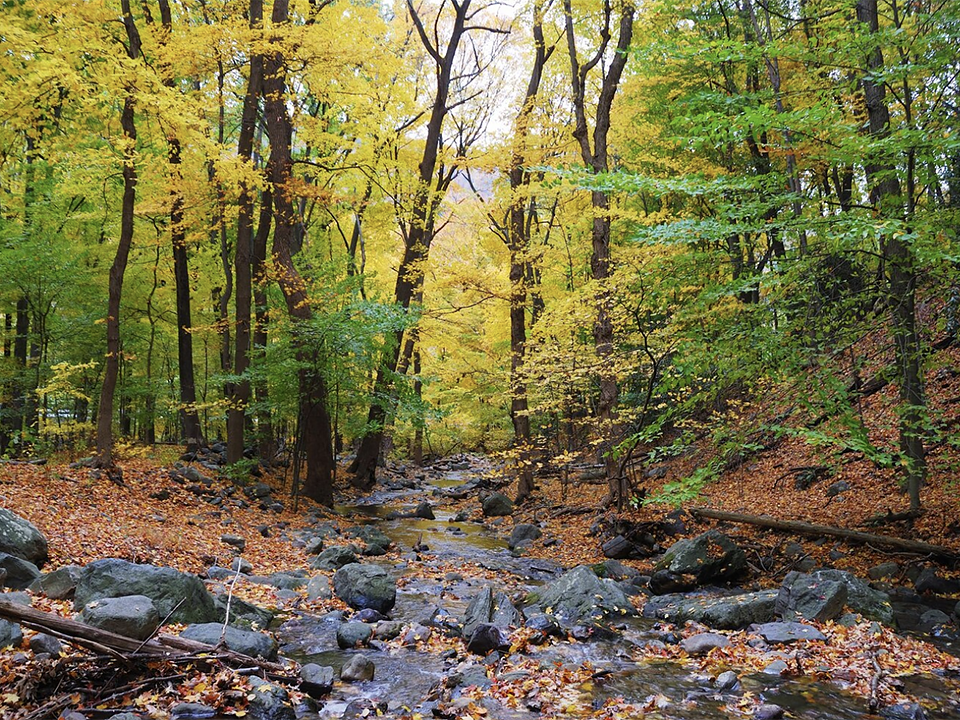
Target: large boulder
column 60, row 583
column 731, row 612
column 801, row 593
column 21, row 538
column 243, row 615
column 254, row 644
column 365, row 586
column 489, row 608
column 579, row 596
column 133, row 616
column 316, row 680
column 18, row 573
column 180, row 596
column 496, row 505
column 708, row 558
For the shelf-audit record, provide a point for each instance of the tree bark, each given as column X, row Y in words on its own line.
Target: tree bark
column 266, row 447
column 104, row 456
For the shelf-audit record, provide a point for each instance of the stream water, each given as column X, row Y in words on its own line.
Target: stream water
column 406, row 679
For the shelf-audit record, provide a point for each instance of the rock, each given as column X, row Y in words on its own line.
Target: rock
column 243, row 615
column 618, row 547
column 777, row 668
column 488, row 607
column 579, row 595
column 615, row 570
column 703, row 643
column 286, row 581
column 487, row 638
column 903, row 711
column 726, row 681
column 242, row 565
column 786, row 632
column 171, row 591
column 60, row 583
column 368, row 615
column 710, row 558
column 316, row 680
column 353, row 634
column 872, row 604
column 424, row 511
column 134, row 616
column 523, row 532
column 417, row 633
column 544, row 624
column 10, row 634
column 21, row 538
column 365, row 586
column 729, row 612
column 234, row 541
column 470, row 676
column 260, row 490
column 126, row 716
column 269, row 701
column 840, row 486
column 793, row 550
column 497, row 505
column 371, row 536
column 313, row 546
column 387, row 629
column 768, row 711
column 42, row 643
column 810, row 597
column 357, row 669
column 933, row 619
column 318, row 588
column 17, row 598
column 334, row 558
column 192, row 711
column 664, row 582
column 883, row 570
column 247, row 642
column 19, row 573
column 929, row 581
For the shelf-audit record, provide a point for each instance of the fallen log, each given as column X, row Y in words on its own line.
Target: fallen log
column 805, row 528
column 120, row 646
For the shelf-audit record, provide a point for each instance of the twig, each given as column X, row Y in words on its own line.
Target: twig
column 226, row 616
column 874, row 702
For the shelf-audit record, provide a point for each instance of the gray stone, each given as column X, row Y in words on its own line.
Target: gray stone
column 21, row 538
column 387, row 629
column 664, row 582
column 60, row 583
column 357, row 669
column 810, row 597
column 727, row 681
column 703, row 643
column 840, row 486
column 180, row 596
column 786, row 632
column 235, row 541
column 872, row 604
column 191, row 711
column 20, row 573
column 191, row 474
column 242, row 565
column 777, row 667
column 126, row 716
column 43, row 643
column 313, row 546
column 10, row 634
column 580, row 596
column 497, row 505
column 247, row 642
column 370, row 534
column 487, row 638
column 930, row 581
column 417, row 633
column 424, row 511
column 318, row 588
column 616, row 570
column 286, row 581
column 243, row 615
column 524, row 532
column 768, row 711
column 269, row 701
column 883, row 570
column 471, row 676
column 365, row 586
column 932, row 619
column 709, row 558
column 334, row 558
column 316, row 680
column 134, row 616
column 903, row 711
column 353, row 634
column 729, row 612
column 488, row 607
column 17, row 598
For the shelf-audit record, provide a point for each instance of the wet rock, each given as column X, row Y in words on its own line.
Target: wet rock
column 932, row 620
column 727, row 681
column 903, row 711
column 254, row 644
column 192, row 711
column 470, row 676
column 786, row 632
column 524, row 532
column 269, row 701
column 497, row 505
column 777, row 668
column 21, row 538
column 387, row 629
column 579, row 595
column 768, row 711
column 334, row 558
column 60, row 583
column 710, row 558
column 365, row 586
column 364, row 708
column 418, row 633
column 10, row 634
column 42, row 643
column 424, row 511
column 134, row 616
column 316, row 680
column 357, row 669
column 353, row 634
column 368, row 615
column 19, row 573
column 729, row 612
column 930, row 581
column 370, row 534
column 488, row 607
column 487, row 638
column 703, row 643
column 810, row 597
column 318, row 588
column 181, row 596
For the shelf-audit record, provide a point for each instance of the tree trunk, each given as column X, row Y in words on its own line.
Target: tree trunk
column 901, row 276
column 266, row 445
column 104, row 456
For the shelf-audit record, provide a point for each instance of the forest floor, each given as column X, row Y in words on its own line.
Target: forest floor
column 86, row 518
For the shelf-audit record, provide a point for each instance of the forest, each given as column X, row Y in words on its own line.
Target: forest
column 629, row 268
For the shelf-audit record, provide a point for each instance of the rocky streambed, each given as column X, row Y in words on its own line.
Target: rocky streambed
column 411, row 610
